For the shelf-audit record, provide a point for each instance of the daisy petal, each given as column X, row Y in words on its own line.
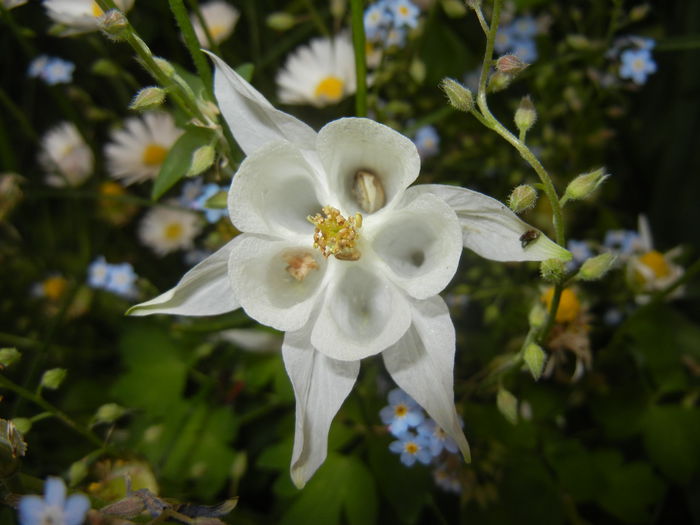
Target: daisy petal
column 422, row 363
column 320, row 384
column 254, row 122
column 347, row 145
column 273, row 192
column 493, row 231
column 204, row 290
column 362, row 315
column 76, row 507
column 277, row 282
column 420, row 243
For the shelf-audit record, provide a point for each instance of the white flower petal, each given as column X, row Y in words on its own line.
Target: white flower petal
column 204, row 290
column 492, row 230
column 422, row 363
column 362, row 314
column 420, row 243
column 320, row 384
column 347, row 145
column 258, row 269
column 254, row 122
column 274, row 191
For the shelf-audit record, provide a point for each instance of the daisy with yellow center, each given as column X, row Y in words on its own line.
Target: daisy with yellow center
column 65, row 156
column 79, row 16
column 165, row 230
column 220, row 18
column 136, row 152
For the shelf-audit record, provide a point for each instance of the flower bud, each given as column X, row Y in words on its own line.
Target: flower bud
column 534, row 358
column 218, row 201
column 165, row 66
column 525, row 115
column 148, row 98
column 596, row 267
column 552, row 270
column 105, row 67
column 459, row 96
column 499, row 81
column 202, row 159
column 53, row 378
column 77, row 472
column 583, row 185
column 108, row 413
column 507, row 404
column 280, row 21
column 522, row 198
column 114, row 24
column 510, row 64
column 9, row 356
column 22, row 424
column 537, row 316
column 454, row 8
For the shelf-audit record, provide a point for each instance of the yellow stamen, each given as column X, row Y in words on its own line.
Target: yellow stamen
column 111, row 188
column 403, row 10
column 217, row 31
column 411, row 448
column 569, row 305
column 336, row 235
column 330, row 89
column 656, row 262
column 54, row 287
column 96, row 10
column 173, row 231
column 400, row 410
column 154, row 154
column 299, row 265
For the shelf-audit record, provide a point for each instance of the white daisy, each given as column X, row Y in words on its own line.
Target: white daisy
column 137, row 152
column 79, row 16
column 65, row 156
column 319, row 74
column 220, row 18
column 165, row 230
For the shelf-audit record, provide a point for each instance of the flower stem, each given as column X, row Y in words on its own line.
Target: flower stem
column 358, row 42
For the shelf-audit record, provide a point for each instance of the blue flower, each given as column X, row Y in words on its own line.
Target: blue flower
column 52, row 70
column 395, row 37
column 526, row 50
column 624, row 242
column 447, row 478
column 637, row 64
column 412, row 447
column 427, row 141
column 402, row 413
column 438, row 440
column 122, row 280
column 504, row 39
column 54, row 508
column 376, row 20
column 37, row 66
column 200, row 203
column 99, row 273
column 524, row 27
column 580, row 250
column 405, row 13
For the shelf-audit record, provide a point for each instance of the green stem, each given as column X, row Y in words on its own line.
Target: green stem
column 313, row 13
column 213, row 46
column 358, row 42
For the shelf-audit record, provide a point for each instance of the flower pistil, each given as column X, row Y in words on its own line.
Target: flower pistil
column 336, row 235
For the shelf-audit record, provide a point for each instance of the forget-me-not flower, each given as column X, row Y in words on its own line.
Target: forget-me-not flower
column 200, row 203
column 402, row 413
column 637, row 64
column 54, row 508
column 412, row 447
column 427, row 141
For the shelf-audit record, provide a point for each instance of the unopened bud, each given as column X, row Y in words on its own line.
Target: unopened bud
column 114, row 24
column 280, row 21
column 510, row 64
column 22, row 424
column 454, row 8
column 53, row 378
column 165, row 66
column 552, row 270
column 459, row 96
column 239, row 466
column 534, row 358
column 218, row 201
column 105, row 67
column 507, row 404
column 148, row 98
column 522, row 198
column 578, row 42
column 9, row 356
column 77, row 473
column 202, row 159
column 583, row 185
column 417, row 70
column 596, row 267
column 499, row 81
column 525, row 115
column 537, row 315
column 109, row 413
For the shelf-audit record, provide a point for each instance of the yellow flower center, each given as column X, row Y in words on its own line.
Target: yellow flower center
column 216, row 31
column 411, row 447
column 54, row 287
column 154, row 154
column 96, row 10
column 111, row 188
column 330, row 88
column 173, row 231
column 400, row 410
column 656, row 262
column 403, row 10
column 569, row 305
column 336, row 235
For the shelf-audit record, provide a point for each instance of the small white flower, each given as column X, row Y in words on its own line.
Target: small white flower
column 319, row 74
column 338, row 252
column 137, row 151
column 165, row 230
column 65, row 156
column 220, row 18
column 79, row 16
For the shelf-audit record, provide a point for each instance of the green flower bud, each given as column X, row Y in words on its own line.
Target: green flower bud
column 578, row 42
column 499, row 81
column 9, row 356
column 417, row 70
column 114, row 24
column 105, row 67
column 459, row 96
column 525, row 115
column 165, row 66
column 53, row 378
column 109, row 413
column 534, row 358
column 454, row 8
column 583, row 185
column 510, row 64
column 202, row 159
column 507, row 404
column 22, row 424
column 596, row 267
column 522, row 198
column 552, row 270
column 148, row 98
column 77, row 473
column 537, row 316
column 280, row 21
column 239, row 466
column 217, row 201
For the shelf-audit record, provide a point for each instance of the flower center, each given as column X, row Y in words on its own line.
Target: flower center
column 403, row 10
column 299, row 265
column 412, row 448
column 154, row 154
column 54, row 287
column 336, row 235
column 639, row 64
column 656, row 262
column 569, row 305
column 96, row 10
column 330, row 88
column 400, row 410
column 173, row 231
column 217, row 31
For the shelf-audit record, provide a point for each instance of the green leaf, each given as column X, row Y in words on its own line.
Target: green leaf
column 246, row 71
column 177, row 162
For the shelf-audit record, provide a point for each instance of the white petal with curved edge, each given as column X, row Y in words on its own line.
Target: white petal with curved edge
column 420, row 243
column 260, row 273
column 274, row 191
column 320, row 384
column 254, row 122
column 422, row 364
column 362, row 314
column 492, row 230
column 347, row 145
column 203, row 290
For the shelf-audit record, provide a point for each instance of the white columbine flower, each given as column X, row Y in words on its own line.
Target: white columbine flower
column 137, row 152
column 79, row 16
column 220, row 18
column 165, row 230
column 338, row 252
column 65, row 156
column 319, row 74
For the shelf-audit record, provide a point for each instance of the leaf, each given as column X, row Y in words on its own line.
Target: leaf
column 246, row 71
column 178, row 160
